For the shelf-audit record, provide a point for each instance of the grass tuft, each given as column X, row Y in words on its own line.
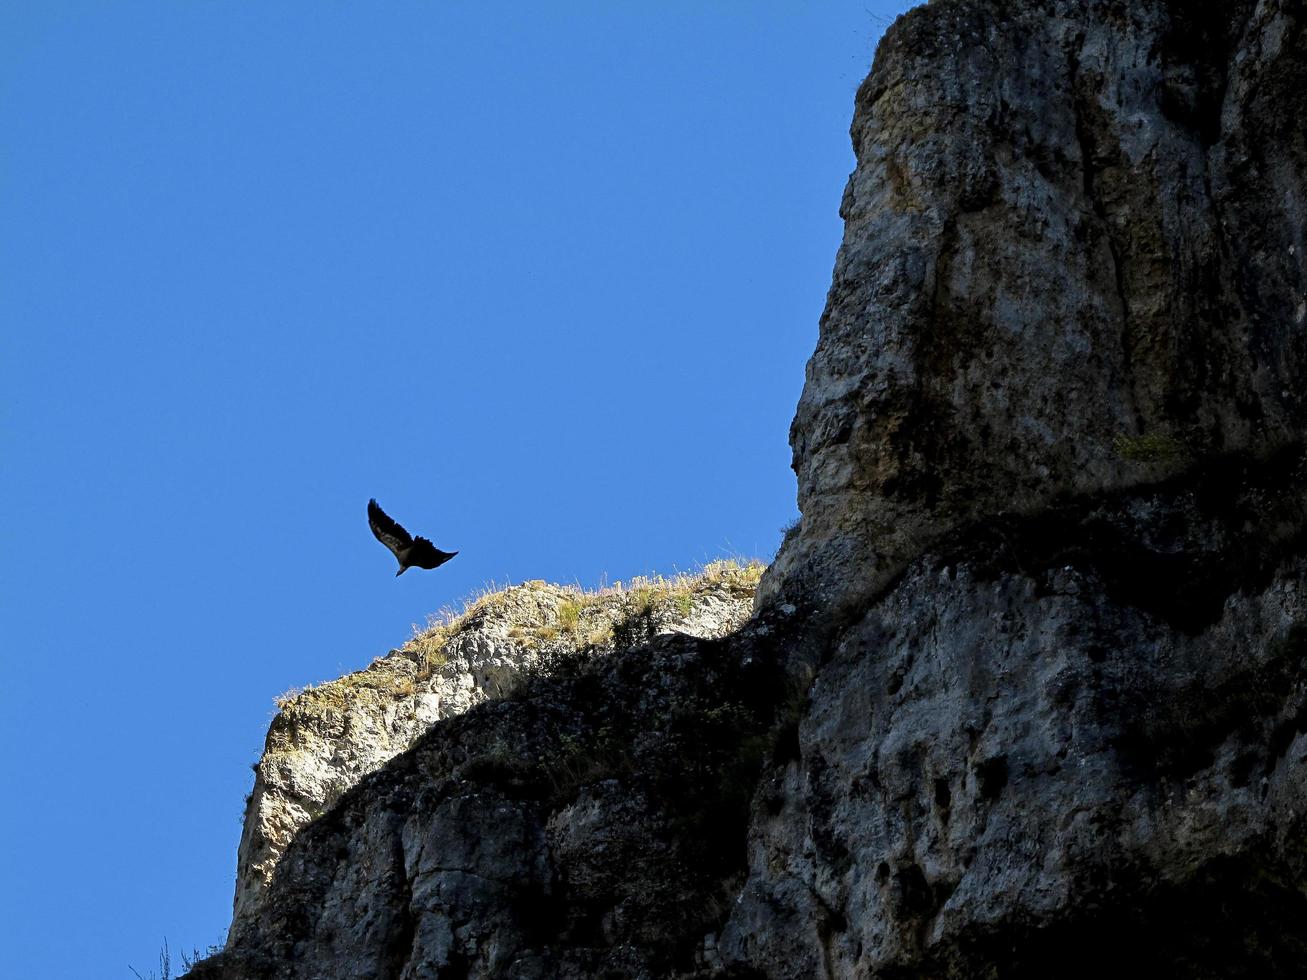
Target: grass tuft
column 1153, row 447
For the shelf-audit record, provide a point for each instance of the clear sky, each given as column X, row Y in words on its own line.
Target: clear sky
column 540, row 277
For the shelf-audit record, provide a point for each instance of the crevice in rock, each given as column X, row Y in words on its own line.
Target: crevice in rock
column 1209, row 926
column 1083, row 109
column 991, row 777
column 1182, row 565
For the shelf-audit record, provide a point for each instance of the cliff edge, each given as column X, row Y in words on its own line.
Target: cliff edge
column 1024, row 693
column 326, row 738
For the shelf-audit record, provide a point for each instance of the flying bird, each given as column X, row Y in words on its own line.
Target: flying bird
column 412, row 552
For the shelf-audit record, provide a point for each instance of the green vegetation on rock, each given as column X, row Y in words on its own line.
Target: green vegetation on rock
column 1153, row 447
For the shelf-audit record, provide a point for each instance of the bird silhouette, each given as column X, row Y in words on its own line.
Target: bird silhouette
column 410, row 551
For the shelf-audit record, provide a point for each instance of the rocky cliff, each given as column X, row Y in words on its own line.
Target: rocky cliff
column 1024, row 693
column 327, row 738
column 1072, row 263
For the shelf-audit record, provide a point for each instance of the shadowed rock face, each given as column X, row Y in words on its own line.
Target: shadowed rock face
column 1026, row 691
column 593, row 824
column 1061, row 743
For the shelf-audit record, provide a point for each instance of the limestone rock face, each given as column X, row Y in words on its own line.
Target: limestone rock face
column 1025, row 691
column 327, row 738
column 590, row 824
column 1063, row 745
column 1073, row 261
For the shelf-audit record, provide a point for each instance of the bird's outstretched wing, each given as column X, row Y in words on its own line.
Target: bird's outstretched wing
column 387, row 531
column 427, row 555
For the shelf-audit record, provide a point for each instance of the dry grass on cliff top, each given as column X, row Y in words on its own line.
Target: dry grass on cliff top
column 538, row 616
column 537, row 613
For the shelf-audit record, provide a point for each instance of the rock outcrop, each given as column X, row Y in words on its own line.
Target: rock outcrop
column 1072, row 263
column 1025, row 691
column 326, row 738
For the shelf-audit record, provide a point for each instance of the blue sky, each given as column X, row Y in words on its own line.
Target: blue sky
column 541, row 278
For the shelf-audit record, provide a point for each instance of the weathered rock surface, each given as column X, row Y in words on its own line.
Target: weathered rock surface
column 326, row 738
column 591, row 824
column 1025, row 694
column 1063, row 745
column 1073, row 261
